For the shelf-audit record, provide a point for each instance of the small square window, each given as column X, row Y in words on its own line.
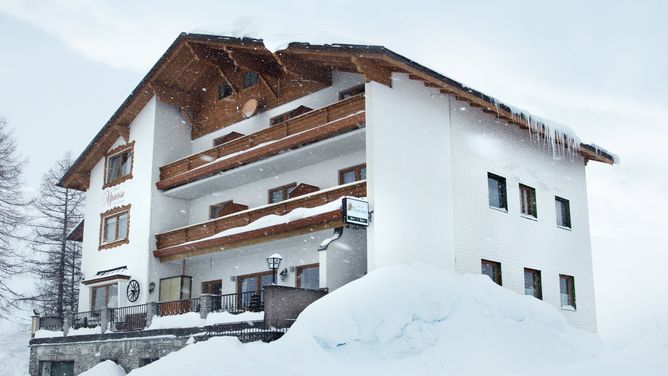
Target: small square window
column 567, row 291
column 352, row 174
column 497, row 191
column 250, row 79
column 492, row 269
column 114, row 227
column 281, row 193
column 118, row 165
column 532, row 283
column 224, row 91
column 528, row 201
column 563, row 208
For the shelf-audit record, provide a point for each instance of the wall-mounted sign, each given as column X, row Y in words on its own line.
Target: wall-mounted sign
column 355, row 211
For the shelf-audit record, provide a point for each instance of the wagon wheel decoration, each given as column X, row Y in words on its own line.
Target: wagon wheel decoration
column 133, row 291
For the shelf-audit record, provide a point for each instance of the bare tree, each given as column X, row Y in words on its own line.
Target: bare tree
column 56, row 260
column 12, row 215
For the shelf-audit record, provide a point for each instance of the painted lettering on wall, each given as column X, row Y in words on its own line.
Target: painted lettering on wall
column 113, row 197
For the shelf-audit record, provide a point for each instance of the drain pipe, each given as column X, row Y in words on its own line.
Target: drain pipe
column 325, row 243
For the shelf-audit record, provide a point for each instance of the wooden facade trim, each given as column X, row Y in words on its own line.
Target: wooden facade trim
column 109, row 213
column 292, row 134
column 206, row 229
column 298, row 227
column 113, row 152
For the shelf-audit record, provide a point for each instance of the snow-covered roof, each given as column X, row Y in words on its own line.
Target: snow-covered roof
column 375, row 62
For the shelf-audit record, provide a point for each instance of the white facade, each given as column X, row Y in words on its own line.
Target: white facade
column 427, row 158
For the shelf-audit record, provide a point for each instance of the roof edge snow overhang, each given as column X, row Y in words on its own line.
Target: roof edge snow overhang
column 76, row 177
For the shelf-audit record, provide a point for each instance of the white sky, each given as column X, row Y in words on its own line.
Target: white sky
column 600, row 67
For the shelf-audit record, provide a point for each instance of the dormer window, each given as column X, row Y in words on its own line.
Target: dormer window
column 224, row 91
column 118, row 167
column 250, row 79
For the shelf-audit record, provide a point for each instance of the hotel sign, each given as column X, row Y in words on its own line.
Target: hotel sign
column 355, row 211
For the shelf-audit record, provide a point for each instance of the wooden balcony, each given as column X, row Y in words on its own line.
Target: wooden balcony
column 197, row 239
column 313, row 126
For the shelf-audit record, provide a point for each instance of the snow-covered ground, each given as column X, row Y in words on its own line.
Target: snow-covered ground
column 14, row 351
column 405, row 320
column 417, row 320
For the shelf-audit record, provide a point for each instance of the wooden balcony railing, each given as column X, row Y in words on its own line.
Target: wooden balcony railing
column 210, row 228
column 313, row 126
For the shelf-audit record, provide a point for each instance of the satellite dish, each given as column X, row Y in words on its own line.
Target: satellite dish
column 249, row 108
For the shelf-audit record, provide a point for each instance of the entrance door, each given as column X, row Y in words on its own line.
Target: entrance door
column 250, row 288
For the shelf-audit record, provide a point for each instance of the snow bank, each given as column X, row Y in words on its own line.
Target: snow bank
column 193, row 320
column 106, row 368
column 43, row 333
column 403, row 320
column 14, row 351
column 84, row 331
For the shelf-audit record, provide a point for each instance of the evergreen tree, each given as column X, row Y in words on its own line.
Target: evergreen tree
column 12, row 215
column 56, row 260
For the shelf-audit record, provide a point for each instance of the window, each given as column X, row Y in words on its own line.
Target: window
column 563, row 212
column 102, row 296
column 212, row 287
column 281, row 193
column 250, row 288
column 250, row 79
column 308, row 276
column 497, row 191
column 357, row 89
column 492, row 269
column 278, row 119
column 224, row 91
column 352, row 174
column 115, row 225
column 528, row 201
column 53, row 368
column 567, row 291
column 175, row 288
column 118, row 165
column 532, row 283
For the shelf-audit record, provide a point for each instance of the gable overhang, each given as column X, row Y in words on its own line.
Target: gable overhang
column 375, row 63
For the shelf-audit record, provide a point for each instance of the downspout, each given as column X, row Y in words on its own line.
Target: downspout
column 325, row 243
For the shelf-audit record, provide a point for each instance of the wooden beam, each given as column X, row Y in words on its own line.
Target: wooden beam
column 123, row 131
column 299, row 67
column 176, row 96
column 266, row 64
column 373, row 70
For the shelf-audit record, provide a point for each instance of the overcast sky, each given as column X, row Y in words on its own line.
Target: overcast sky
column 600, row 67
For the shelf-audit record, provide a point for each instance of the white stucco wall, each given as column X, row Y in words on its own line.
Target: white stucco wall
column 409, row 170
column 483, row 144
column 137, row 192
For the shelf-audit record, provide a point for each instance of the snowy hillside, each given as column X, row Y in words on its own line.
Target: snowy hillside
column 417, row 320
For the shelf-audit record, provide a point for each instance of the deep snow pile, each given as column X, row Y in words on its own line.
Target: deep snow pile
column 14, row 350
column 403, row 320
column 106, row 368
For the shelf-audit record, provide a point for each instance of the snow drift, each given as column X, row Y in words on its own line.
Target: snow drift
column 403, row 320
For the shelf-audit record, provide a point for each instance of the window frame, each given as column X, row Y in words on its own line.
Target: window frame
column 300, row 269
column 358, row 173
column 532, row 209
column 284, row 188
column 560, row 215
column 211, row 283
column 106, row 295
column 225, row 90
column 352, row 91
column 501, row 181
column 538, row 282
column 258, row 280
column 114, row 213
column 244, row 83
column 117, row 152
column 572, row 300
column 495, row 265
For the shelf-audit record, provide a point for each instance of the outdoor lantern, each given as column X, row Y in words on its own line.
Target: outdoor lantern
column 274, row 261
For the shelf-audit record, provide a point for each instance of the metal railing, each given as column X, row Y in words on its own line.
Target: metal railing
column 178, row 307
column 240, row 302
column 90, row 319
column 128, row 318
